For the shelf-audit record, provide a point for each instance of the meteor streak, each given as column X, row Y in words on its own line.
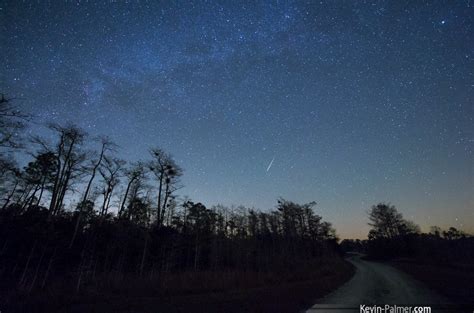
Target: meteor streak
column 270, row 165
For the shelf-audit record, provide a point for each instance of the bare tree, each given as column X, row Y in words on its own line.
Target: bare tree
column 106, row 146
column 10, row 181
column 168, row 173
column 11, row 122
column 135, row 175
column 111, row 170
column 69, row 157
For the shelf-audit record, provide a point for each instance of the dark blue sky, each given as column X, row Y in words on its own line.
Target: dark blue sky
column 355, row 102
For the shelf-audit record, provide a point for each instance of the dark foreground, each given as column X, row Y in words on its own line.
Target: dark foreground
column 454, row 281
column 290, row 294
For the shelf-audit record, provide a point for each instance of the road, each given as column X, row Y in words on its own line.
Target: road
column 376, row 283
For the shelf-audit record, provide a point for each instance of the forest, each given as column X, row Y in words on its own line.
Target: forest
column 84, row 228
column 77, row 222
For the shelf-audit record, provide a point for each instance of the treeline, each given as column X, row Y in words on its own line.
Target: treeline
column 36, row 246
column 392, row 236
column 128, row 224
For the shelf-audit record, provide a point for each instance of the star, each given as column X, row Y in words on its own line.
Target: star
column 361, row 103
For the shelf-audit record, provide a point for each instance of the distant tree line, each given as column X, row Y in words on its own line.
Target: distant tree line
column 127, row 221
column 392, row 236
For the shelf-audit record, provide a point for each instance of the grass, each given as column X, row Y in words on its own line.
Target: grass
column 455, row 281
column 284, row 291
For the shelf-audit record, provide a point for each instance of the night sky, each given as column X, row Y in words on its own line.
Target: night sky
column 343, row 102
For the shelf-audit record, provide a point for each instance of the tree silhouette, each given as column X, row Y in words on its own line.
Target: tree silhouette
column 135, row 176
column 69, row 159
column 12, row 121
column 391, row 235
column 111, row 171
column 39, row 174
column 388, row 223
column 167, row 173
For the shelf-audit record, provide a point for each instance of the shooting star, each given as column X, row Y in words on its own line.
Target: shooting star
column 270, row 165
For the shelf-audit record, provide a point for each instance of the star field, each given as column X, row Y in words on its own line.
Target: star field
column 353, row 103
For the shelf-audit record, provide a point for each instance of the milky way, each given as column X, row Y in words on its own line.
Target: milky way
column 361, row 102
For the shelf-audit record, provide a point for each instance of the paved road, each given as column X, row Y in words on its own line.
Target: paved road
column 376, row 283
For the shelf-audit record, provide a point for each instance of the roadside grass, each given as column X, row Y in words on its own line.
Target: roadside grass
column 289, row 290
column 453, row 280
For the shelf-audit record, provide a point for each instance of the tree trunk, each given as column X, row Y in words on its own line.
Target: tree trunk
column 102, row 210
column 10, row 195
column 84, row 198
column 24, row 196
column 25, row 270
column 31, row 198
column 64, row 175
column 107, row 206
column 48, row 269
column 41, row 192
column 165, row 201
column 37, row 270
column 158, row 215
column 54, row 193
column 64, row 188
column 122, row 206
column 196, row 253
column 142, row 263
